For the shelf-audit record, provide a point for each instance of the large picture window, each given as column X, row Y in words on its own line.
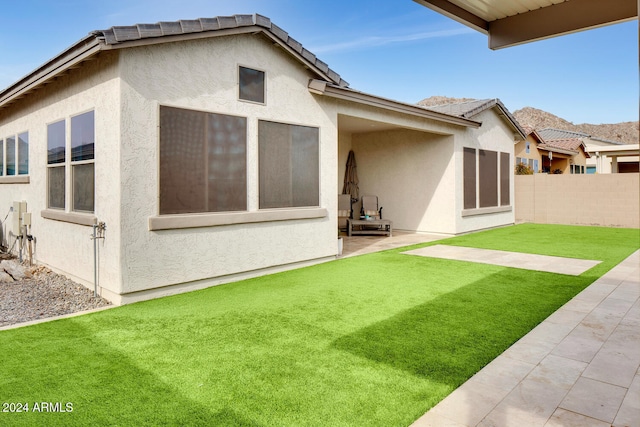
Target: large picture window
column 203, row 162
column 288, row 165
column 486, row 178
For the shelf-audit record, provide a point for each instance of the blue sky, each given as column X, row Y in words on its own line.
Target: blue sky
column 395, row 48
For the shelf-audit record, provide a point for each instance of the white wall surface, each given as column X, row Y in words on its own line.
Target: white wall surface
column 413, row 175
column 64, row 246
column 202, row 75
column 496, row 135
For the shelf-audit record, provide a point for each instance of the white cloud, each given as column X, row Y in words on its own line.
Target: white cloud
column 374, row 41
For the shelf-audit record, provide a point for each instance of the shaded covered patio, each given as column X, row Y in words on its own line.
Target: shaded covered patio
column 360, row 245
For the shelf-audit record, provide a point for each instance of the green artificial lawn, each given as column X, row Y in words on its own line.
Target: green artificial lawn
column 371, row 340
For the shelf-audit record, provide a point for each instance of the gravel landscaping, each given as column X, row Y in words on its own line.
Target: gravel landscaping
column 32, row 293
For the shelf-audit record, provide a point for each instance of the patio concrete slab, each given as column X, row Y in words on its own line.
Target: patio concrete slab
column 579, row 367
column 551, row 264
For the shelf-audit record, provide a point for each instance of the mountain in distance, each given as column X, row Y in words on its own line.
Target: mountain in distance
column 625, row 132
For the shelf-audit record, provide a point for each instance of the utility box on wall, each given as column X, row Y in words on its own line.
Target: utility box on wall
column 19, row 208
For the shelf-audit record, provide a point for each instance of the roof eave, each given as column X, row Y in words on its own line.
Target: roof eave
column 68, row 59
column 493, row 103
column 319, row 87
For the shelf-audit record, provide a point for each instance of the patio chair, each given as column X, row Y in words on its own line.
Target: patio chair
column 344, row 210
column 370, row 207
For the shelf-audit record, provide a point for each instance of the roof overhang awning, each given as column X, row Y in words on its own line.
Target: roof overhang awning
column 511, row 23
column 556, row 150
column 320, row 87
column 629, row 150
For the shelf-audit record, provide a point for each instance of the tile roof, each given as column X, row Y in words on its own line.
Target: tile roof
column 463, row 109
column 551, row 133
column 469, row 109
column 572, row 144
column 123, row 34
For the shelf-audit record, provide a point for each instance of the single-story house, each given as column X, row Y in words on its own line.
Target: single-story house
column 604, row 156
column 214, row 149
column 562, row 155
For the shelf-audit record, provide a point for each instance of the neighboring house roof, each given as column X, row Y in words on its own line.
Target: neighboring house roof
column 509, row 22
column 470, row 109
column 143, row 34
column 607, row 141
column 551, row 133
column 565, row 146
column 622, row 150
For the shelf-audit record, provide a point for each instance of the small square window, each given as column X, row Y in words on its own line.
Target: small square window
column 251, row 85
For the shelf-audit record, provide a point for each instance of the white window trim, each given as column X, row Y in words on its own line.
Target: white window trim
column 7, row 179
column 67, row 214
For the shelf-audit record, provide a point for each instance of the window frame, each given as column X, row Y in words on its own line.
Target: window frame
column 318, row 165
column 501, row 185
column 160, row 212
column 70, row 174
column 69, row 213
column 264, row 84
column 60, row 164
column 17, row 177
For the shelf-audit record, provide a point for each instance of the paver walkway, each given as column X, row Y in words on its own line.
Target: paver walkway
column 550, row 264
column 579, row 367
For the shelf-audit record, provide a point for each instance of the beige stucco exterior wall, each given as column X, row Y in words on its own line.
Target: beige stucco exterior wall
column 520, row 150
column 65, row 246
column 496, row 135
column 202, row 75
column 603, row 199
column 413, row 175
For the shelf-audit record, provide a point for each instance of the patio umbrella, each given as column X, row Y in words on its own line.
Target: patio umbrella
column 351, row 178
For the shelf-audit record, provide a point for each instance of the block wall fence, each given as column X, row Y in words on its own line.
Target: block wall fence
column 611, row 200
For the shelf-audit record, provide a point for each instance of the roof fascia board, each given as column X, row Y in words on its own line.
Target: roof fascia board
column 502, row 110
column 512, row 120
column 296, row 54
column 456, row 13
column 322, row 88
column 562, row 18
column 76, row 54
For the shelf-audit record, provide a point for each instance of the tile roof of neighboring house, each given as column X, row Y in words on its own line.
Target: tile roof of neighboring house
column 469, row 109
column 608, row 141
column 567, row 144
column 550, row 133
column 140, row 34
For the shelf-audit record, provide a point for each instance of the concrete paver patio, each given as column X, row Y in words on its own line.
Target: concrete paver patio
column 579, row 367
column 550, row 264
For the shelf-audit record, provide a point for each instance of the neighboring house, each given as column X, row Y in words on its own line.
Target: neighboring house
column 568, row 155
column 604, row 156
column 214, row 149
column 526, row 151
